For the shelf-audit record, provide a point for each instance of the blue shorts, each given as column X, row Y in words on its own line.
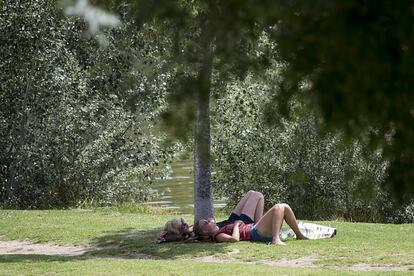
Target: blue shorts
column 255, row 236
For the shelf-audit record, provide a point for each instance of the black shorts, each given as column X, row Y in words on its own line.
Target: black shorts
column 233, row 217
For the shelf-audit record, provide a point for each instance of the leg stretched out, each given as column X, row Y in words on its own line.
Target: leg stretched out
column 271, row 223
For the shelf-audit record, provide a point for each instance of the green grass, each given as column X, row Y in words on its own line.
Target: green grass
column 114, row 234
column 46, row 265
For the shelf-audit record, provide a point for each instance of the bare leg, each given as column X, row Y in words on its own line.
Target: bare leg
column 259, row 207
column 251, row 204
column 292, row 222
column 242, row 202
column 271, row 223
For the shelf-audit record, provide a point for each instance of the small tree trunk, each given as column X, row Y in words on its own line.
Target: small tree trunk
column 203, row 205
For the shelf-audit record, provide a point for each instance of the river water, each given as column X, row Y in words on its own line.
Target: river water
column 177, row 191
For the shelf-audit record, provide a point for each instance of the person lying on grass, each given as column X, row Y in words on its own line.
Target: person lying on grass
column 246, row 215
column 249, row 210
column 267, row 229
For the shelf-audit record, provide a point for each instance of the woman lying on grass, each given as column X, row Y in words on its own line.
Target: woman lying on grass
column 267, row 229
column 247, row 216
column 249, row 210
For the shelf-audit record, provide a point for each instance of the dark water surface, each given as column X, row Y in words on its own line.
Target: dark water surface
column 177, row 192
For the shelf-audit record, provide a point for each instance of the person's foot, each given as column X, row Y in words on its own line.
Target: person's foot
column 301, row 237
column 278, row 242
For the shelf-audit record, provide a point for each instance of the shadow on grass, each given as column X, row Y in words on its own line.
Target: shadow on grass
column 36, row 258
column 128, row 243
column 132, row 243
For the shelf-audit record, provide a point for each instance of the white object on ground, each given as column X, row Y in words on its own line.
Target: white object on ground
column 312, row 231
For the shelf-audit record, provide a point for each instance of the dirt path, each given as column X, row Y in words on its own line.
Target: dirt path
column 27, row 247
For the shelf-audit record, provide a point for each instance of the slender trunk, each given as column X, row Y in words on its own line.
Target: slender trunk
column 203, row 205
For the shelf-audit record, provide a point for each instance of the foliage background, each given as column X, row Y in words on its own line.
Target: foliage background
column 79, row 117
column 323, row 176
column 68, row 135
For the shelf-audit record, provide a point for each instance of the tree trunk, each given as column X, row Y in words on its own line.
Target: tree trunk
column 203, row 205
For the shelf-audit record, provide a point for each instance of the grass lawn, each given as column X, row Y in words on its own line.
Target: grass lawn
column 119, row 240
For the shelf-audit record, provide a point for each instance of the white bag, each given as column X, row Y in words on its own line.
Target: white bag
column 312, row 231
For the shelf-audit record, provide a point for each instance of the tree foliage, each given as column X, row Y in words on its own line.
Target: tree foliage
column 321, row 176
column 66, row 134
column 210, row 42
column 357, row 57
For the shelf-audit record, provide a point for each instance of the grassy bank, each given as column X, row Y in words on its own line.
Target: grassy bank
column 118, row 239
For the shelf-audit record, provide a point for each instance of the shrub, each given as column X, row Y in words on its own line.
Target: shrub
column 321, row 176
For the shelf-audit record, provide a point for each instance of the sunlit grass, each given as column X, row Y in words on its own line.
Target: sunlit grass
column 47, row 265
column 127, row 231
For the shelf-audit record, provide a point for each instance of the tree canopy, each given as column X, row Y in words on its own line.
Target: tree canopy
column 67, row 134
column 356, row 58
column 351, row 60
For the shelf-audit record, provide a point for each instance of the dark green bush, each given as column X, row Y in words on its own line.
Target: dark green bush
column 67, row 133
column 320, row 176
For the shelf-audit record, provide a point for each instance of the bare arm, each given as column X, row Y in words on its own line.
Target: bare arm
column 235, row 237
column 236, row 230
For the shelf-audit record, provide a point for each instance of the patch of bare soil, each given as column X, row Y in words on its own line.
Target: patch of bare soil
column 306, row 261
column 382, row 267
column 300, row 262
column 303, row 262
column 221, row 259
column 27, row 247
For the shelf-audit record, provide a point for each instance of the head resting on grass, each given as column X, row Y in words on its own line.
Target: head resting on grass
column 204, row 229
column 174, row 230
